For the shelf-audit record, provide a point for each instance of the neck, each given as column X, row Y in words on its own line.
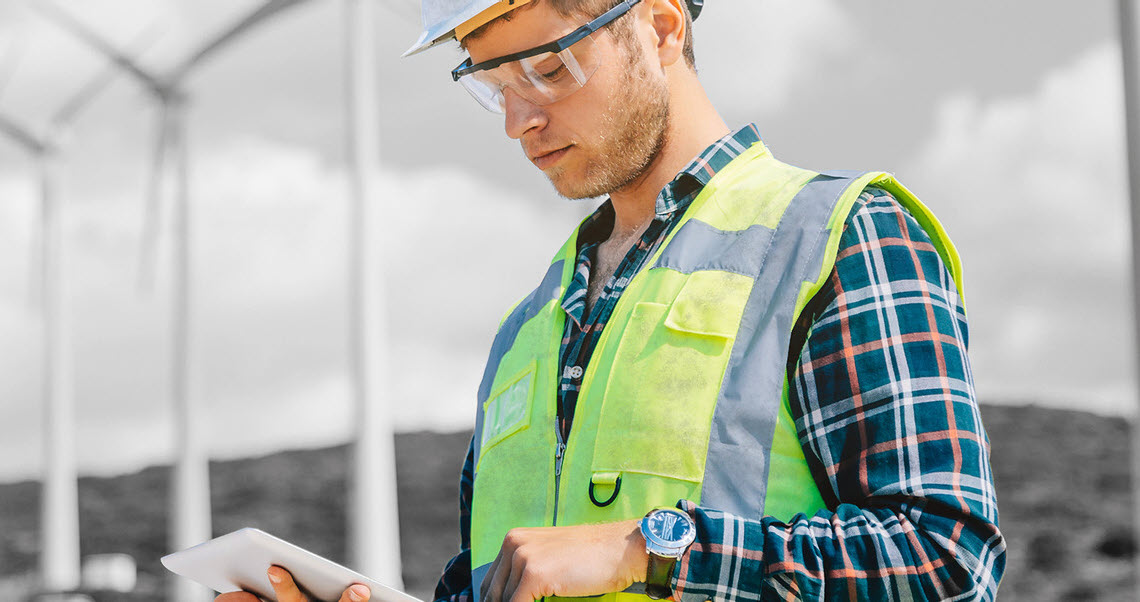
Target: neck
column 694, row 125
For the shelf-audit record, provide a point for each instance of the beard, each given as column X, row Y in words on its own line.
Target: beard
column 634, row 130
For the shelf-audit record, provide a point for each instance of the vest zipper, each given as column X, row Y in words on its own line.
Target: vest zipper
column 559, row 455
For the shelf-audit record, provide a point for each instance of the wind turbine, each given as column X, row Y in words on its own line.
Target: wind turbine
column 1130, row 53
column 59, row 504
column 59, row 514
column 190, row 518
column 373, row 525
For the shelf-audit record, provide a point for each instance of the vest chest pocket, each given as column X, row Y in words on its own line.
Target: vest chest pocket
column 508, row 408
column 666, row 377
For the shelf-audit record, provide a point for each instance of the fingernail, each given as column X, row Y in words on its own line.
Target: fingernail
column 274, row 578
column 358, row 593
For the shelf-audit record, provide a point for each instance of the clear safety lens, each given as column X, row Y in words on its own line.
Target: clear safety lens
column 540, row 79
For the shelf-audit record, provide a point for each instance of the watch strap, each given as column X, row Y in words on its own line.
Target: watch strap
column 658, row 576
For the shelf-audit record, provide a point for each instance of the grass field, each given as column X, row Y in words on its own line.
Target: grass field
column 1063, row 482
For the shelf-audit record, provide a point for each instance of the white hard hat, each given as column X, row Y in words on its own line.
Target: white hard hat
column 453, row 19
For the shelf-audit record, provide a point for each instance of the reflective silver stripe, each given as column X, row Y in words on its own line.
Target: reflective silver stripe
column 549, row 289
column 477, row 576
column 736, row 469
column 699, row 246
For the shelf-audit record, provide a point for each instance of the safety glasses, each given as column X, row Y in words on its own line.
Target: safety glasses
column 541, row 75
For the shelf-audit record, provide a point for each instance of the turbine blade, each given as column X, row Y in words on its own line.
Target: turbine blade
column 11, row 57
column 66, row 21
column 148, row 250
column 36, row 258
column 255, row 17
column 36, row 148
column 100, row 81
column 21, row 136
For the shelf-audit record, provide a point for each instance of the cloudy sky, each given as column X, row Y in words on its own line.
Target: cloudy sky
column 1006, row 118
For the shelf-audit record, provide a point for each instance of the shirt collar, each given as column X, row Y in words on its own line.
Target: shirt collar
column 681, row 190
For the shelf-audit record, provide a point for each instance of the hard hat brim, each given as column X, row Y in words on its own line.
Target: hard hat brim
column 445, row 30
column 453, row 27
column 426, row 42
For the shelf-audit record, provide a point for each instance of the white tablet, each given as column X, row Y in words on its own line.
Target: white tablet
column 239, row 561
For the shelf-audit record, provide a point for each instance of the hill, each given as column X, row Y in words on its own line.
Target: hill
column 1063, row 481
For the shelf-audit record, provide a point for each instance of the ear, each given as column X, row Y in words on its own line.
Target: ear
column 668, row 17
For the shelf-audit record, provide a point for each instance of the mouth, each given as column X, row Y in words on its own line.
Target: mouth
column 545, row 160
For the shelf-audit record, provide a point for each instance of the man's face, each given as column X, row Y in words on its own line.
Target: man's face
column 602, row 137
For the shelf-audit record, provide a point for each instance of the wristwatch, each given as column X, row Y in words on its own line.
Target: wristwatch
column 668, row 533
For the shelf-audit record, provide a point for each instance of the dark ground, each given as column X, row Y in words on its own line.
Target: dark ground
column 1063, row 482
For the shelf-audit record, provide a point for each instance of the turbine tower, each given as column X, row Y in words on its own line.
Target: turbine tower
column 373, row 520
column 59, row 502
column 1129, row 17
column 190, row 517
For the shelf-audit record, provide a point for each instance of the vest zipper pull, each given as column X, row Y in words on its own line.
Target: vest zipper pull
column 559, row 454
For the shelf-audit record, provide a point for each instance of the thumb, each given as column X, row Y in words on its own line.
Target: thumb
column 356, row 593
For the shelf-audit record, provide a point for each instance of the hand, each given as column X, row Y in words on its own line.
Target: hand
column 287, row 591
column 582, row 560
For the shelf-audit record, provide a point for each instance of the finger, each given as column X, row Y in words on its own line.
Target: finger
column 485, row 586
column 496, row 578
column 518, row 569
column 356, row 593
column 284, row 587
column 523, row 591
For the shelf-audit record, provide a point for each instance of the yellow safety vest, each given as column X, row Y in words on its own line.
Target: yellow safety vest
column 685, row 396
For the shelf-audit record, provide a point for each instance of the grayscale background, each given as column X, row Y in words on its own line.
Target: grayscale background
column 1006, row 118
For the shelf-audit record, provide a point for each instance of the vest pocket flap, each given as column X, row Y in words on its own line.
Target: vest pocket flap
column 507, row 409
column 700, row 307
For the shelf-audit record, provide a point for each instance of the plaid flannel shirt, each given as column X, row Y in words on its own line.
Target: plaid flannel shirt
column 884, row 406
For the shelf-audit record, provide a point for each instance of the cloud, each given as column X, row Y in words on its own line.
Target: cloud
column 13, row 14
column 1033, row 189
column 766, row 51
column 270, row 304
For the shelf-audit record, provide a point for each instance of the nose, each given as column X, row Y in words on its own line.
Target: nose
column 521, row 114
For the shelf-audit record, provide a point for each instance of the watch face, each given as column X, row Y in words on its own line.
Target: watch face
column 671, row 526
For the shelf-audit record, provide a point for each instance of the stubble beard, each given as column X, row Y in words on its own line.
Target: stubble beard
column 634, row 131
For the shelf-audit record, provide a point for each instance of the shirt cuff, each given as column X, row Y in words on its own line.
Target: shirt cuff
column 697, row 573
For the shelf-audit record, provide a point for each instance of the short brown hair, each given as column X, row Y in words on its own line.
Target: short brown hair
column 592, row 9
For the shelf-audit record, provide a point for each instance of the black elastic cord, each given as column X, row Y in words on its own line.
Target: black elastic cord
column 617, row 488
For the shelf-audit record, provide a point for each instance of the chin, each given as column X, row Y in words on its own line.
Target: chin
column 575, row 188
column 575, row 194
column 563, row 185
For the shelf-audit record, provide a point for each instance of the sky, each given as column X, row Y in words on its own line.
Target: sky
column 1005, row 118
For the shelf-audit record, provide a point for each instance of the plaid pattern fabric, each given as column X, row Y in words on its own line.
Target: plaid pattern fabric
column 884, row 407
column 883, row 400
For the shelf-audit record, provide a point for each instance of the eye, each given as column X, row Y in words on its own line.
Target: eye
column 556, row 73
column 551, row 70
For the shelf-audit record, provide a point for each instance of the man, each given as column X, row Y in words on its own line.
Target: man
column 779, row 355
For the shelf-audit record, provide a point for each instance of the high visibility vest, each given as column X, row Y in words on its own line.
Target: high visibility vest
column 686, row 394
